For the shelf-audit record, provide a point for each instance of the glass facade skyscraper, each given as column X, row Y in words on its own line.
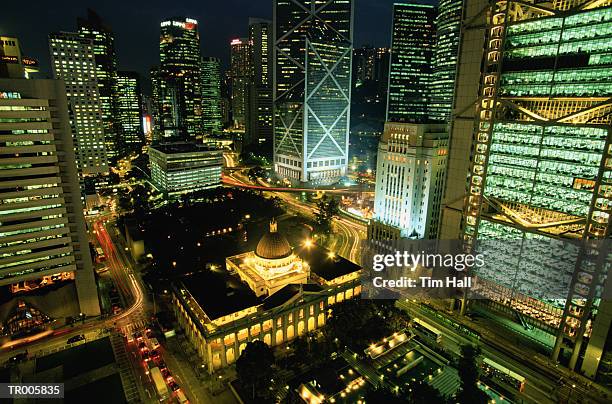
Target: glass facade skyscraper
column 412, row 56
column 179, row 78
column 92, row 27
column 129, row 111
column 259, row 114
column 211, row 95
column 442, row 89
column 312, row 89
column 541, row 174
column 241, row 76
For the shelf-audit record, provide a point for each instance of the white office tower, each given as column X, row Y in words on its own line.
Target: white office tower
column 410, row 179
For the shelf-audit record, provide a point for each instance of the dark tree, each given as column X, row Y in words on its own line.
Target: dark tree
column 254, row 366
column 383, row 395
column 327, row 209
column 468, row 372
column 423, row 393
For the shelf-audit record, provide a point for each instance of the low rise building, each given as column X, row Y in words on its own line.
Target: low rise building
column 274, row 294
column 183, row 167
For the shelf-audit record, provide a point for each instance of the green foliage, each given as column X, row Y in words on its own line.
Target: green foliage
column 327, row 209
column 358, row 323
column 254, row 366
column 383, row 395
column 468, row 372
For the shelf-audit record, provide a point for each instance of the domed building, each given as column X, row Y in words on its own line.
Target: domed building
column 273, row 294
column 271, row 266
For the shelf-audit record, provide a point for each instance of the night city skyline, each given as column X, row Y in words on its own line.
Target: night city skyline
column 306, row 202
column 136, row 27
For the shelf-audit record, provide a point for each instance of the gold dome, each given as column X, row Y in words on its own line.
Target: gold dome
column 273, row 245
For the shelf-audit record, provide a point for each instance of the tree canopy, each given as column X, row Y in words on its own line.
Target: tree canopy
column 254, row 366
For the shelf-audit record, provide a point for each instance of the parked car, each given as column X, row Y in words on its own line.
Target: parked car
column 75, row 338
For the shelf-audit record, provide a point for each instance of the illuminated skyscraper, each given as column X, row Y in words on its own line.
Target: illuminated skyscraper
column 43, row 240
column 73, row 61
column 540, row 170
column 103, row 41
column 211, row 95
column 156, row 102
column 410, row 178
column 442, row 88
column 313, row 48
column 129, row 112
column 259, row 114
column 179, row 78
column 241, row 76
column 410, row 74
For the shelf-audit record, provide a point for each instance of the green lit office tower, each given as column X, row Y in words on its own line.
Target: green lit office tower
column 412, row 55
column 541, row 173
column 211, row 95
column 258, row 131
column 92, row 27
column 179, row 79
column 442, row 88
column 313, row 48
column 129, row 112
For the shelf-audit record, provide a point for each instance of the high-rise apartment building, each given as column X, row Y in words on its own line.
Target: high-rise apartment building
column 211, row 95
column 43, row 240
column 258, row 129
column 446, row 51
column 92, row 27
column 129, row 112
column 411, row 167
column 538, row 123
column 73, row 61
column 179, row 78
column 313, row 48
column 412, row 54
column 241, row 76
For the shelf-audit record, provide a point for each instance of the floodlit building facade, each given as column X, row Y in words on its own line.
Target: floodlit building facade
column 43, row 240
column 129, row 112
column 412, row 54
column 313, row 48
column 273, row 294
column 179, row 86
column 540, row 170
column 73, row 61
column 182, row 167
column 410, row 173
column 211, row 95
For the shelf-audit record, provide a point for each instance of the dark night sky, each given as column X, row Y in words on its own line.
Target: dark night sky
column 136, row 24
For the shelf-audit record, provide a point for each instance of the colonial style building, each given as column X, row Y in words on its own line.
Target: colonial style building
column 274, row 294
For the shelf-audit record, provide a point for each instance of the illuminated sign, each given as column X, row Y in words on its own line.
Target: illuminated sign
column 28, row 61
column 8, row 59
column 192, row 21
column 9, row 95
column 236, row 42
